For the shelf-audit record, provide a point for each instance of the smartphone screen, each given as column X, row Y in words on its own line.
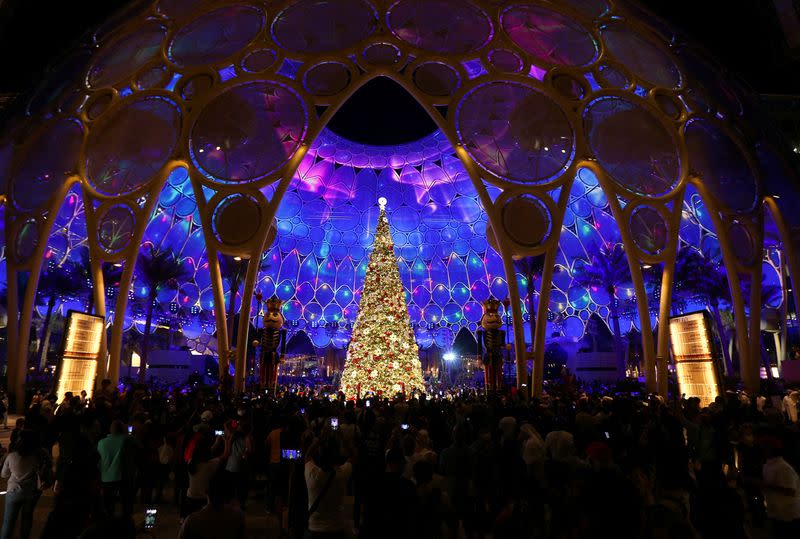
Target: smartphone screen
column 291, row 454
column 130, row 429
column 368, row 404
column 150, row 518
column 335, row 423
column 404, row 426
column 219, row 432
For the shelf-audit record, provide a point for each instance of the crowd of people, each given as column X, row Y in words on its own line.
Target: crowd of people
column 456, row 465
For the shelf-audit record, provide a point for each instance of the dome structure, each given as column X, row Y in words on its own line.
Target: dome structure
column 200, row 126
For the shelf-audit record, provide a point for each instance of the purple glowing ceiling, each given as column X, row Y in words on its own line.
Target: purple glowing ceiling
column 229, row 92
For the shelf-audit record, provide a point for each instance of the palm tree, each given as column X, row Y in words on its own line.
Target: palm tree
column 698, row 276
column 530, row 267
column 111, row 276
column 608, row 270
column 158, row 269
column 232, row 270
column 56, row 282
column 84, row 276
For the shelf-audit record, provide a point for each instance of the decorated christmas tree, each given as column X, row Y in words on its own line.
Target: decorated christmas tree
column 383, row 357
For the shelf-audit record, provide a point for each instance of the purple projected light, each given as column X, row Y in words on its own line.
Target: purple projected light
column 647, row 60
column 125, row 55
column 637, row 150
column 444, row 26
column 549, row 36
column 49, row 158
column 530, row 89
column 248, row 132
column 721, row 165
column 130, row 145
column 215, row 36
column 515, row 132
column 323, row 26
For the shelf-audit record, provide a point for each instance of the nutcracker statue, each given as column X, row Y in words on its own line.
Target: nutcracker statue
column 273, row 341
column 491, row 340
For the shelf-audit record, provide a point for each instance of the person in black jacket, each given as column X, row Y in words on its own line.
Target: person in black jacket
column 390, row 511
column 77, row 488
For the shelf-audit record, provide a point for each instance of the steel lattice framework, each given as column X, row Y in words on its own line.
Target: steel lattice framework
column 224, row 100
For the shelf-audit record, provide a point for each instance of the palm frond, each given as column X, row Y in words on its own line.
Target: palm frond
column 700, row 276
column 160, row 268
column 608, row 269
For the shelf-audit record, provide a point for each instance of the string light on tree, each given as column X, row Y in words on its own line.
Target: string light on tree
column 383, row 357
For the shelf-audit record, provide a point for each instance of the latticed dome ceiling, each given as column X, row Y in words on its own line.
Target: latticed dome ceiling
column 531, row 89
column 551, row 115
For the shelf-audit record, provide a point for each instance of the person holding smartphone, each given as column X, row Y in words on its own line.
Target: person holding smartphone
column 202, row 468
column 117, row 469
column 237, row 465
column 327, row 473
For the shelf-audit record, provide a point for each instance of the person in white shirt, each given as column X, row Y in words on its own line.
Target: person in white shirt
column 23, row 467
column 781, row 487
column 326, row 480
column 202, row 468
column 790, row 405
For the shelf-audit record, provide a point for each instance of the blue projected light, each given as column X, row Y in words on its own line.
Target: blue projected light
column 326, row 222
column 433, row 210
